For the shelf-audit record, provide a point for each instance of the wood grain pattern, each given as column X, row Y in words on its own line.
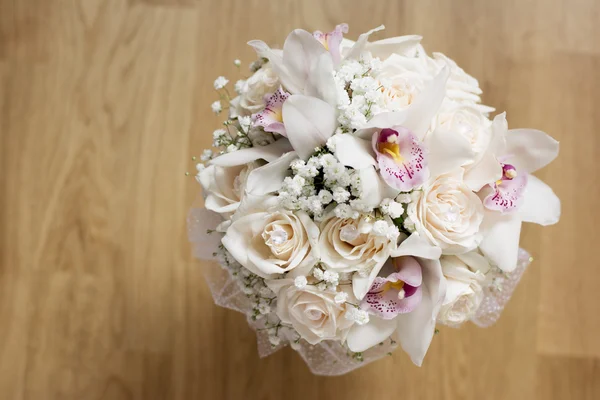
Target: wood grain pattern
column 102, row 104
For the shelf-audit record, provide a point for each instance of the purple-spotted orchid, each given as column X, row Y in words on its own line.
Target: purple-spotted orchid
column 517, row 196
column 412, row 325
column 332, row 40
column 271, row 117
column 397, row 293
column 400, row 157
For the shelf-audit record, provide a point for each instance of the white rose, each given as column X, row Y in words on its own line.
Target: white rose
column 468, row 122
column 313, row 313
column 272, row 243
column 251, row 98
column 402, row 79
column 356, row 244
column 224, row 187
column 448, row 213
column 464, row 291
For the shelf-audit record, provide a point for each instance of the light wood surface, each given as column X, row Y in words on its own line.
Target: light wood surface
column 102, row 105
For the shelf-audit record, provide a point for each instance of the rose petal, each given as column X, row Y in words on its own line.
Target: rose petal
column 360, row 44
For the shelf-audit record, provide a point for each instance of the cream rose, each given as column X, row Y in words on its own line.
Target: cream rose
column 464, row 291
column 313, row 313
column 224, row 187
column 272, row 243
column 356, row 244
column 448, row 213
column 461, row 87
column 468, row 122
column 251, row 98
column 402, row 79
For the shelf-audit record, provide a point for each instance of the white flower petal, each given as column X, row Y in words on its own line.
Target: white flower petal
column 309, row 122
column 292, row 83
column 269, row 177
column 500, row 242
column 417, row 246
column 360, row 44
column 373, row 188
column 300, row 51
column 320, row 82
column 486, row 171
column 354, row 152
column 416, row 328
column 426, row 105
column 540, row 204
column 268, row 153
column 363, row 337
column 530, row 149
column 394, row 45
column 446, row 151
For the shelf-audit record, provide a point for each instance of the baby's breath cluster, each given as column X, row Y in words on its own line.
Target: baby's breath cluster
column 323, row 183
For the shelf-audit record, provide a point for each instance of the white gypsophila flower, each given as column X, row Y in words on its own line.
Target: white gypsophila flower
column 220, row 82
column 264, row 308
column 206, row 155
column 231, row 148
column 322, row 286
column 409, row 224
column 404, row 198
column 239, row 86
column 340, row 195
column 245, row 123
column 200, row 167
column 391, row 208
column 216, row 107
column 325, row 196
column 358, row 316
column 331, row 277
column 274, row 340
column 237, row 62
column 341, row 297
column 300, row 282
column 318, row 273
column 380, row 228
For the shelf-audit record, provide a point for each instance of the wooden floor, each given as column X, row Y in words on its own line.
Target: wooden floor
column 102, row 105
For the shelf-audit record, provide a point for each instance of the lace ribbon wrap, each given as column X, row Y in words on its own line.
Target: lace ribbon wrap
column 328, row 358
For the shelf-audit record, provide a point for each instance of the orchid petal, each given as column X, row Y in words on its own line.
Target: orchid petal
column 415, row 329
column 395, row 45
column 409, row 270
column 407, row 168
column 485, row 171
column 309, row 122
column 360, row 44
column 529, row 149
column 373, row 188
column 426, row 105
column 300, row 51
column 363, row 337
column 268, row 153
column 417, row 246
column 332, row 41
column 500, row 242
column 270, row 116
column 540, row 204
column 291, row 82
column 447, row 151
column 354, row 152
column 507, row 194
column 320, row 81
column 269, row 177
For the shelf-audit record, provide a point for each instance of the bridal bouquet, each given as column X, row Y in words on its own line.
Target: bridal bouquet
column 359, row 194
